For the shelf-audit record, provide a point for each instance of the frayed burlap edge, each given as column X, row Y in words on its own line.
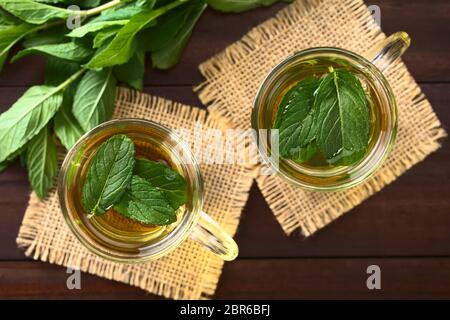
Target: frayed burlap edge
column 37, row 211
column 272, row 187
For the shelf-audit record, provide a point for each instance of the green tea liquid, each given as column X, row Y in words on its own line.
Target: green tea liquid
column 112, row 228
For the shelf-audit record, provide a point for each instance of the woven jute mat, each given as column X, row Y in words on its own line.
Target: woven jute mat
column 189, row 272
column 233, row 78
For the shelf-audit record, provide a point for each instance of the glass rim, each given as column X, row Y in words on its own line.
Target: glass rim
column 171, row 240
column 369, row 68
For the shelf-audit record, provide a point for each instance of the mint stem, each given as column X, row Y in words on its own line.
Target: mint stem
column 99, row 9
column 71, row 79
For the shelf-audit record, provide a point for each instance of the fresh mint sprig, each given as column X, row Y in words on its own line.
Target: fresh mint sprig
column 109, row 174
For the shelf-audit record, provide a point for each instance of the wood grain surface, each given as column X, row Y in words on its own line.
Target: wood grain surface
column 405, row 228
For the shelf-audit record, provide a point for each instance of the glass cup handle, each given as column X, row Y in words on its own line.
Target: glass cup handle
column 386, row 52
column 210, row 235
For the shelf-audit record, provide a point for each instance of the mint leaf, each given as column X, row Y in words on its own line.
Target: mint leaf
column 109, row 174
column 34, row 12
column 51, row 35
column 42, row 162
column 164, row 179
column 168, row 26
column 132, row 72
column 58, row 70
column 238, row 5
column 122, row 47
column 9, row 36
column 94, row 98
column 69, row 51
column 303, row 154
column 67, row 128
column 27, row 117
column 104, row 35
column 146, row 204
column 169, row 53
column 342, row 118
column 294, row 117
column 123, row 11
column 95, row 26
column 84, row 3
column 7, row 19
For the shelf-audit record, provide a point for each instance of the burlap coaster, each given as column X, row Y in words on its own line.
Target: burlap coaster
column 189, row 272
column 233, row 77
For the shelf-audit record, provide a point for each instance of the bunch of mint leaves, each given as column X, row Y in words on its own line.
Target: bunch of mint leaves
column 85, row 65
column 329, row 114
column 143, row 190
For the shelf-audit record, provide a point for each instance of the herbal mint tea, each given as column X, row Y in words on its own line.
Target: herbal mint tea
column 326, row 117
column 130, row 192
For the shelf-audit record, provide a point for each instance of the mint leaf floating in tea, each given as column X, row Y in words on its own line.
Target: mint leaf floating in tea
column 294, row 119
column 164, row 179
column 328, row 116
column 342, row 118
column 143, row 202
column 109, row 174
column 303, row 154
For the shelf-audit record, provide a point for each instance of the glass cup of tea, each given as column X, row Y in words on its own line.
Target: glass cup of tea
column 381, row 102
column 120, row 239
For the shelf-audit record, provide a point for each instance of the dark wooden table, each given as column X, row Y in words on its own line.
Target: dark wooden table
column 405, row 229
